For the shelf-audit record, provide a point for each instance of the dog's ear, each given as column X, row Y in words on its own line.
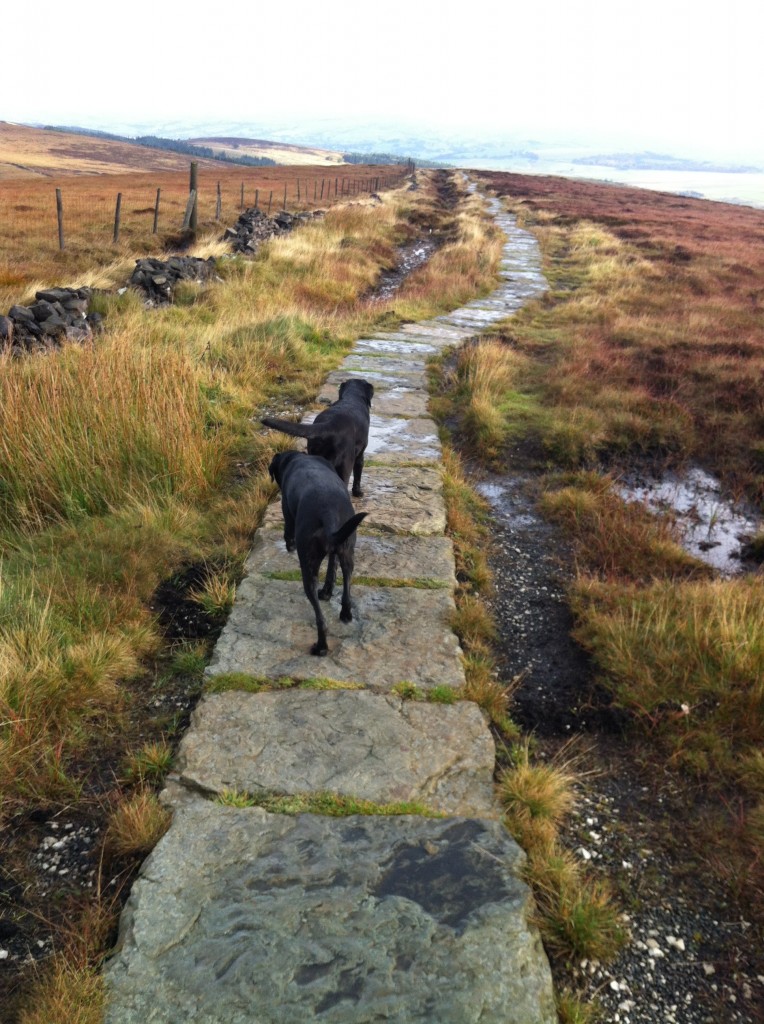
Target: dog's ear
column 273, row 469
column 343, row 385
column 369, row 391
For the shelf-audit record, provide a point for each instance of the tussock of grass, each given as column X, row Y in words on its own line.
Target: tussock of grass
column 67, row 992
column 89, row 430
column 150, row 763
column 137, row 824
column 576, row 914
column 487, row 375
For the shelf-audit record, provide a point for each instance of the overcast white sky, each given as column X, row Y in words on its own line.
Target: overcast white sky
column 683, row 76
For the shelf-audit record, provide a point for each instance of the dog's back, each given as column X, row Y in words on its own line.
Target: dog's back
column 340, row 433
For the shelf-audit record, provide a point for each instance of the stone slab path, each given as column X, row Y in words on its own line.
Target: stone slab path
column 240, row 915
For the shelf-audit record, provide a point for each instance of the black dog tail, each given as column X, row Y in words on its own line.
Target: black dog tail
column 345, row 531
column 287, row 427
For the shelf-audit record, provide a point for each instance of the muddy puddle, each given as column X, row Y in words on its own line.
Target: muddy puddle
column 711, row 526
column 410, row 258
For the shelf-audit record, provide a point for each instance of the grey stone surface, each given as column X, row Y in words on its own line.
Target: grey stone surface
column 403, row 499
column 389, row 364
column 393, row 401
column 242, row 917
column 388, row 557
column 352, row 742
column 394, row 439
column 398, row 499
column 391, row 346
column 397, row 634
column 436, row 329
column 379, row 373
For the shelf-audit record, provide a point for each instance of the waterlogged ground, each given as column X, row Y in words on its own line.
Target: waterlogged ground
column 711, row 526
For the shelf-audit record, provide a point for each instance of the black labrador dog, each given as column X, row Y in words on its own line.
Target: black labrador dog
column 339, row 433
column 318, row 520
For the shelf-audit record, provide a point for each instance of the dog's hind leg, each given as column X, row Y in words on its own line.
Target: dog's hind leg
column 357, row 470
column 310, row 585
column 346, row 564
column 331, row 574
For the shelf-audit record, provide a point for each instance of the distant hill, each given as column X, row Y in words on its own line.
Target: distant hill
column 647, row 161
column 27, row 153
column 278, row 152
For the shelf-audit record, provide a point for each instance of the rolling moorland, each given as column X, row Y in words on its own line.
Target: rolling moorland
column 647, row 349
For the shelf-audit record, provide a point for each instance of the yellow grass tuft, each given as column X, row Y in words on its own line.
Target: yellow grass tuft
column 137, row 825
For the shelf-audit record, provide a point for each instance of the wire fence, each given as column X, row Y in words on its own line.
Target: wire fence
column 133, row 215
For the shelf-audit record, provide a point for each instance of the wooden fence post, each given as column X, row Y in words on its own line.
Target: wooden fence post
column 298, row 190
column 190, row 207
column 60, row 215
column 285, row 188
column 219, row 205
column 193, row 219
column 241, row 204
column 322, row 189
column 270, row 200
column 257, row 198
column 315, row 186
column 116, row 217
column 156, row 213
column 335, row 188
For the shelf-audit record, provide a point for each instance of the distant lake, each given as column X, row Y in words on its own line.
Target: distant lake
column 745, row 188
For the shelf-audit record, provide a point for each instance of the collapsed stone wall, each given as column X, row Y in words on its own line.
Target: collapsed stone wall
column 59, row 315
column 254, row 227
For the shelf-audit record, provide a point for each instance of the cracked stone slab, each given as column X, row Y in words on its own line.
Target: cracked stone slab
column 397, row 634
column 240, row 916
column 359, row 744
column 394, row 439
column 479, row 317
column 388, row 557
column 394, row 401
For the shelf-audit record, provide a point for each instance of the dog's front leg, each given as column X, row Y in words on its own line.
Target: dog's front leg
column 310, row 585
column 331, row 574
column 289, row 538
